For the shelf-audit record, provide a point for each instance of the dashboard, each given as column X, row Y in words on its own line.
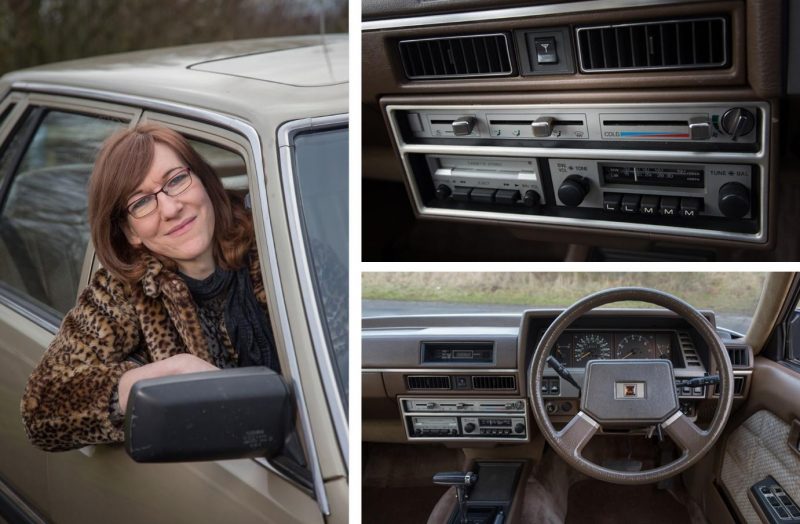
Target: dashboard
column 463, row 378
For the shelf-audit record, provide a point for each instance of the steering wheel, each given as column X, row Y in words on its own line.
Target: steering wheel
column 630, row 394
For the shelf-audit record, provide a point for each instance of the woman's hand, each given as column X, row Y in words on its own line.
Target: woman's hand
column 175, row 365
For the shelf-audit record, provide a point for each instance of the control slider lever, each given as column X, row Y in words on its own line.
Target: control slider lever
column 561, row 369
column 699, row 381
column 462, row 481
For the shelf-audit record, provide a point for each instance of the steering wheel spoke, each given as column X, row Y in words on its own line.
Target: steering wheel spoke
column 578, row 432
column 685, row 433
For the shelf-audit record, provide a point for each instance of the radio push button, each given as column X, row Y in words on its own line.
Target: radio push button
column 611, row 201
column 482, row 194
column 507, row 196
column 461, row 193
column 649, row 205
column 690, row 207
column 630, row 204
column 668, row 206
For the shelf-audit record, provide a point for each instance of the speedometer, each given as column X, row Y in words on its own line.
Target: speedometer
column 591, row 346
column 636, row 346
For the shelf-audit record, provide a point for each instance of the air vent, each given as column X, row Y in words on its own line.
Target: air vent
column 460, row 56
column 689, row 351
column 428, row 382
column 738, row 386
column 676, row 44
column 502, row 382
column 738, row 355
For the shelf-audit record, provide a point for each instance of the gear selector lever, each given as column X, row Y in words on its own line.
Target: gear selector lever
column 463, row 482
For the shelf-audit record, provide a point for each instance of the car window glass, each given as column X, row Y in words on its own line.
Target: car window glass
column 229, row 166
column 320, row 165
column 43, row 225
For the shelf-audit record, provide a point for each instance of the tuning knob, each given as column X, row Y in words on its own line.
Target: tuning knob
column 519, row 427
column 737, row 122
column 734, row 200
column 469, row 427
column 573, row 190
column 442, row 192
column 531, row 198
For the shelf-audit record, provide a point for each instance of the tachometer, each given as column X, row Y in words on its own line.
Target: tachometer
column 591, row 346
column 636, row 346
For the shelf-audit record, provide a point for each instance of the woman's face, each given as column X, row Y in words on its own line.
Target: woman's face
column 182, row 227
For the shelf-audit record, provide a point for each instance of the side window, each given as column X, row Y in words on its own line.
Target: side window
column 43, row 221
column 320, row 168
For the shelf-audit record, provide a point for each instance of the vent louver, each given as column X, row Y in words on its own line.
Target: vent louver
column 677, row 44
column 738, row 356
column 504, row 382
column 461, row 56
column 428, row 382
column 689, row 351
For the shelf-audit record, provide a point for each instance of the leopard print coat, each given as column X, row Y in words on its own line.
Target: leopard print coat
column 112, row 329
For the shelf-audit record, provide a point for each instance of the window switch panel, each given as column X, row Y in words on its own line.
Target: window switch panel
column 773, row 503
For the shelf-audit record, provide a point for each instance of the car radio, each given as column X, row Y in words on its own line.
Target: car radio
column 460, row 419
column 696, row 170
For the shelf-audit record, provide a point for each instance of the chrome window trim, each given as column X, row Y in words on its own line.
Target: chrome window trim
column 759, row 158
column 8, row 300
column 513, row 12
column 286, row 134
column 251, row 135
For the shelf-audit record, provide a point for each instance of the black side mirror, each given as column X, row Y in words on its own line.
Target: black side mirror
column 218, row 415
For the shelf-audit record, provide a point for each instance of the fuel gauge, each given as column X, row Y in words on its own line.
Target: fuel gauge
column 664, row 346
column 563, row 349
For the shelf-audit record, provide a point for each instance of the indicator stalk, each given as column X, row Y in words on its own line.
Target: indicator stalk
column 561, row 369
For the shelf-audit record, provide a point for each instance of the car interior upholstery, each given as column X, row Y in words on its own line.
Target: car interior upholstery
column 580, row 131
column 444, row 396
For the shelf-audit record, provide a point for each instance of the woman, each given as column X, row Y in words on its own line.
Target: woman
column 180, row 290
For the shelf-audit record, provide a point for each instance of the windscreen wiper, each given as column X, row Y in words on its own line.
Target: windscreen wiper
column 561, row 369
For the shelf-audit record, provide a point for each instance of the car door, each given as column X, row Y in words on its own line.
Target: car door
column 764, row 436
column 90, row 485
column 46, row 157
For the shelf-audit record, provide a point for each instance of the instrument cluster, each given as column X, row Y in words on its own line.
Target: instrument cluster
column 576, row 348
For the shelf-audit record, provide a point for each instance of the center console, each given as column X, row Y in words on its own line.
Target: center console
column 465, row 419
column 690, row 169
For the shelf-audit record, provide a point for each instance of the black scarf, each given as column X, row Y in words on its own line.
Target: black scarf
column 244, row 319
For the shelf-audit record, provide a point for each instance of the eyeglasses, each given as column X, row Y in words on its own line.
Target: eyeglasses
column 173, row 187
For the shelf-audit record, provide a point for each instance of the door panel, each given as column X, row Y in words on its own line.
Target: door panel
column 760, row 445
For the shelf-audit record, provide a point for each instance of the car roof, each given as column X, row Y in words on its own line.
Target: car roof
column 264, row 81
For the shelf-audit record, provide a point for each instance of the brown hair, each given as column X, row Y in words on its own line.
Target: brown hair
column 121, row 165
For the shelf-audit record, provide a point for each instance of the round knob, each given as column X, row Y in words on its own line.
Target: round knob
column 469, row 427
column 734, row 200
column 550, row 408
column 737, row 122
column 442, row 192
column 519, row 427
column 518, row 404
column 531, row 198
column 573, row 190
